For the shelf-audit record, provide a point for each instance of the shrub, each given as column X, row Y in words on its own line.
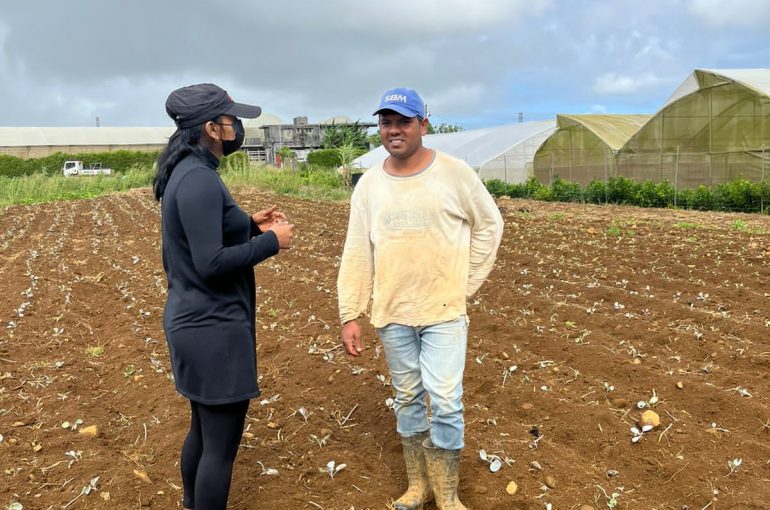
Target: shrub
column 652, row 194
column 622, row 190
column 496, row 187
column 564, row 191
column 532, row 187
column 329, row 158
column 595, row 192
column 738, row 195
column 119, row 161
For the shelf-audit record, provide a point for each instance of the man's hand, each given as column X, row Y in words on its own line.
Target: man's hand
column 351, row 338
column 266, row 218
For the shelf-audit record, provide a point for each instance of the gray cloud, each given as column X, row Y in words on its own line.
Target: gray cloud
column 476, row 63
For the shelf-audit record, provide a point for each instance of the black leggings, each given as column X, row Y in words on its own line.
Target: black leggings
column 209, row 452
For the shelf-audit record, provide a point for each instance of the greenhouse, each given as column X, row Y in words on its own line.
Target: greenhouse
column 502, row 152
column 715, row 128
column 38, row 142
column 584, row 146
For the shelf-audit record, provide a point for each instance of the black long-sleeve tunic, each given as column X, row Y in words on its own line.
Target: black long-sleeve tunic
column 210, row 246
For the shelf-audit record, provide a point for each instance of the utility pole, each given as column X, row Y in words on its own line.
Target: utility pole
column 521, row 117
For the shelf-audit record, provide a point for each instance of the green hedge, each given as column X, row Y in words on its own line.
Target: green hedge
column 328, row 158
column 739, row 195
column 119, row 161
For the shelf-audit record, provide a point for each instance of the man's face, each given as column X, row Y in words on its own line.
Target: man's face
column 401, row 136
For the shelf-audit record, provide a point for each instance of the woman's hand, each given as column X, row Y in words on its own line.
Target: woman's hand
column 267, row 218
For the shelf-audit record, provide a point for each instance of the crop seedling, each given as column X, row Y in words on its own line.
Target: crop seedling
column 639, row 433
column 508, row 371
column 72, row 426
column 304, row 413
column 94, row 351
column 76, row 456
column 649, row 403
column 740, row 225
column 495, row 463
column 320, row 442
column 741, row 391
column 88, row 489
column 332, row 468
column 733, row 465
column 267, row 471
column 267, row 401
column 611, row 500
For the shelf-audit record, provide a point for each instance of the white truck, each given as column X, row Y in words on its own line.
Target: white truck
column 76, row 168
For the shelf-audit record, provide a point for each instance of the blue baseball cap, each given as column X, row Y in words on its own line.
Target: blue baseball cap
column 402, row 100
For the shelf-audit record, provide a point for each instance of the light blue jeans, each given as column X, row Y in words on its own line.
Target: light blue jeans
column 428, row 359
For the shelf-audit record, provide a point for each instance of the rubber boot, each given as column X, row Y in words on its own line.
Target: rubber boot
column 444, row 475
column 419, row 490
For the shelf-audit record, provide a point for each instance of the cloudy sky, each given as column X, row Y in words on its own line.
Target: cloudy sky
column 476, row 62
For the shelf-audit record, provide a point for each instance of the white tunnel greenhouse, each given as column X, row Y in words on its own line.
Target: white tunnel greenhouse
column 501, row 152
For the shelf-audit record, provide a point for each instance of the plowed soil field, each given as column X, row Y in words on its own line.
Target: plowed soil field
column 590, row 313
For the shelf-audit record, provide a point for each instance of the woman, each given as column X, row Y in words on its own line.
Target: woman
column 210, row 246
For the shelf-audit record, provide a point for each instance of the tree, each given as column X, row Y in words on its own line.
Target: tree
column 374, row 140
column 347, row 154
column 285, row 153
column 337, row 135
column 444, row 128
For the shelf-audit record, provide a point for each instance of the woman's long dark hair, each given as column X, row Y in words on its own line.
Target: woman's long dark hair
column 182, row 143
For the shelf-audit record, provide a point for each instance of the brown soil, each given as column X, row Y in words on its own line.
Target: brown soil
column 583, row 299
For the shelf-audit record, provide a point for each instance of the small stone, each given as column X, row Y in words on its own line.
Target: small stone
column 680, row 385
column 137, row 377
column 536, row 465
column 142, row 475
column 90, row 431
column 586, row 507
column 105, row 496
column 326, row 433
column 527, row 406
column 480, row 489
column 248, row 435
column 272, row 425
column 18, row 424
column 650, row 417
column 330, row 379
column 37, row 448
column 637, row 361
column 504, row 355
column 550, row 482
column 511, row 488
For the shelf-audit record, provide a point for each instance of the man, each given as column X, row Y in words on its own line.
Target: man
column 422, row 238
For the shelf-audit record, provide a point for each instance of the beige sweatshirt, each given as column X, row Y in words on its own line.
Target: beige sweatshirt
column 417, row 245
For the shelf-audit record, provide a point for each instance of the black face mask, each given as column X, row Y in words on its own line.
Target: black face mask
column 230, row 146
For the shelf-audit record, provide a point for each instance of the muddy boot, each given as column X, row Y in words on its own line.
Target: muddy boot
column 444, row 475
column 419, row 490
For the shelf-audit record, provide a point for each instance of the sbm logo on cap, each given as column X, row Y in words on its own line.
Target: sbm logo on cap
column 395, row 97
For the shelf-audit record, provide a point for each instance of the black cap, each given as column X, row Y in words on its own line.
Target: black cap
column 196, row 104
